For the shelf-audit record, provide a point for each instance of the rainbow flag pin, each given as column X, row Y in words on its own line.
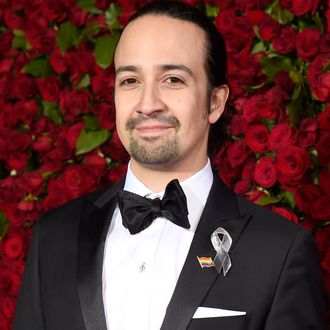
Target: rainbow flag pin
column 205, row 262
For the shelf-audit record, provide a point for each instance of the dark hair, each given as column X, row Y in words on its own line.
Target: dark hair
column 216, row 59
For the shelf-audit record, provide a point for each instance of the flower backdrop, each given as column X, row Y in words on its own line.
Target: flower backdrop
column 57, row 119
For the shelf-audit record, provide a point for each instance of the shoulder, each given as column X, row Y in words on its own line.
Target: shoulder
column 68, row 214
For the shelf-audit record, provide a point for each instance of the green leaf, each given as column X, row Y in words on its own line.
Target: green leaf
column 89, row 140
column 91, row 123
column 85, row 81
column 318, row 22
column 211, row 11
column 279, row 14
column 66, row 36
column 111, row 15
column 19, row 40
column 104, row 50
column 88, row 32
column 52, row 111
column 272, row 65
column 259, row 47
column 3, row 225
column 89, row 5
column 289, row 198
column 38, row 67
column 267, row 200
column 295, row 105
column 296, row 77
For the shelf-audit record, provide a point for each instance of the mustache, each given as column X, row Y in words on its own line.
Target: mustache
column 170, row 120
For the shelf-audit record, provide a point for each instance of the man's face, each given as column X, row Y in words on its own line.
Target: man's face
column 161, row 92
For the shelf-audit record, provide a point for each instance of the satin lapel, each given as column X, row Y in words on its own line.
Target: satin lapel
column 221, row 210
column 95, row 220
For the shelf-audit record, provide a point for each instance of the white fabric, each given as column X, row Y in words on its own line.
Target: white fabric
column 207, row 312
column 140, row 271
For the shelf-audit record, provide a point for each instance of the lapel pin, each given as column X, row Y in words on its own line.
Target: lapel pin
column 205, row 262
column 222, row 245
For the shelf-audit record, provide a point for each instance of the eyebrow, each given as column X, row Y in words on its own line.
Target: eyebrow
column 160, row 67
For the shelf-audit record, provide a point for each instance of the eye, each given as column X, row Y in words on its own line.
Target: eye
column 128, row 81
column 174, row 80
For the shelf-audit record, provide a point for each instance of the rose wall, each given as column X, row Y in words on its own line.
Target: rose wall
column 57, row 119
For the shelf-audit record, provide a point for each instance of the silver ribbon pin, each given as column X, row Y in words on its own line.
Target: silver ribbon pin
column 222, row 246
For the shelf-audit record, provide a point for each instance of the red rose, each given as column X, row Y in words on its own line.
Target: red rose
column 57, row 194
column 26, row 110
column 274, row 103
column 244, row 71
column 305, row 194
column 292, row 164
column 283, row 43
column 107, row 116
column 23, row 87
column 30, row 183
column 102, row 86
column 251, row 109
column 239, row 41
column 323, row 149
column 74, row 102
column 307, row 132
column 325, row 180
column 269, row 29
column 319, row 78
column 225, row 21
column 248, row 168
column 13, row 247
column 58, row 61
column 322, row 238
column 281, row 135
column 257, row 138
column 49, row 88
column 115, row 149
column 80, row 179
column 265, row 173
column 6, row 38
column 324, row 119
column 43, row 144
column 242, row 187
column 116, row 173
column 228, row 174
column 237, row 125
column 255, row 196
column 237, row 153
column 307, row 44
column 73, row 133
column 284, row 212
column 13, row 21
column 320, row 209
column 256, row 17
column 302, row 7
column 327, row 17
column 8, row 307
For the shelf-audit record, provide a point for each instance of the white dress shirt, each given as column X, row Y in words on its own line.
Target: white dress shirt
column 140, row 271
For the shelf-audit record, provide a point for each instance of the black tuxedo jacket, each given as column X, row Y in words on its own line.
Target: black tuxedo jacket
column 275, row 276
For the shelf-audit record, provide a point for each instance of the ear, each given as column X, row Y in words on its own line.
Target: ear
column 218, row 101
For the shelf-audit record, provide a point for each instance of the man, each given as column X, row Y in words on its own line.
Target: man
column 97, row 263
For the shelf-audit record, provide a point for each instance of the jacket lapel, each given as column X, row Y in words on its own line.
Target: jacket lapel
column 221, row 210
column 94, row 223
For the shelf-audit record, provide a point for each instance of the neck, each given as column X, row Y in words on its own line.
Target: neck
column 157, row 177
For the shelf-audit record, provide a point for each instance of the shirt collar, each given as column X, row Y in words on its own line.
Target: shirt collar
column 196, row 189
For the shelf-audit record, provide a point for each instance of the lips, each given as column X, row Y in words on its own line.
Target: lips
column 153, row 128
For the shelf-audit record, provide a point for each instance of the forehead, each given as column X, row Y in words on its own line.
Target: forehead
column 160, row 39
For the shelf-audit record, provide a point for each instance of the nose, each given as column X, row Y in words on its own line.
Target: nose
column 150, row 100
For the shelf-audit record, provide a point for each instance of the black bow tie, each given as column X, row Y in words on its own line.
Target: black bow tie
column 138, row 212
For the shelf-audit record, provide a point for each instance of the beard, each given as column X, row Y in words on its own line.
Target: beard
column 151, row 151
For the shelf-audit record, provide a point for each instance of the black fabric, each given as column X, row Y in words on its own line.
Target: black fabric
column 138, row 212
